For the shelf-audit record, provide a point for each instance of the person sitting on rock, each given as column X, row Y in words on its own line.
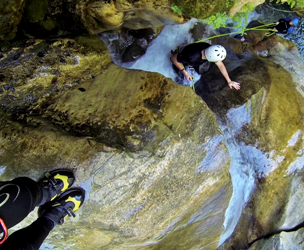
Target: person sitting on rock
column 21, row 195
column 285, row 25
column 195, row 54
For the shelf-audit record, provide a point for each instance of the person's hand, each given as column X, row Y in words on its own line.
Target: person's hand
column 188, row 76
column 235, row 85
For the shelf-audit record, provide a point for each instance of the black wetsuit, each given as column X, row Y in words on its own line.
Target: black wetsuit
column 283, row 26
column 17, row 199
column 191, row 55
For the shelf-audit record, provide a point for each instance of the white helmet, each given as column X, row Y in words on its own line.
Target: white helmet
column 215, row 53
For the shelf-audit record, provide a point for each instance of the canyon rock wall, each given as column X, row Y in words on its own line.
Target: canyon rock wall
column 163, row 167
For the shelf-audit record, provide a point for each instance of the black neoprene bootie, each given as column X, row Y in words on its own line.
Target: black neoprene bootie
column 64, row 205
column 54, row 183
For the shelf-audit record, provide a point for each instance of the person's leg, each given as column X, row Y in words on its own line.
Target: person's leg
column 20, row 196
column 17, row 199
column 50, row 214
column 29, row 238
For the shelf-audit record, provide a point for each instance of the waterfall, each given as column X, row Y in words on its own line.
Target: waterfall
column 247, row 165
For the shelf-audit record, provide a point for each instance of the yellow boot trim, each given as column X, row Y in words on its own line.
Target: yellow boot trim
column 64, row 179
column 76, row 202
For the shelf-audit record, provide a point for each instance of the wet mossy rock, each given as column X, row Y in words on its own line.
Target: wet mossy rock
column 42, row 19
column 139, row 115
column 11, row 13
column 33, row 72
column 99, row 16
column 201, row 9
column 72, row 86
column 134, row 198
column 35, row 10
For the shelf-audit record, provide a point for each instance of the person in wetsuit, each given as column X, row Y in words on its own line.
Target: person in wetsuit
column 285, row 25
column 195, row 54
column 20, row 196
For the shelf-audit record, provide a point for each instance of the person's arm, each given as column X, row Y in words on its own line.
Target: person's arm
column 222, row 68
column 181, row 67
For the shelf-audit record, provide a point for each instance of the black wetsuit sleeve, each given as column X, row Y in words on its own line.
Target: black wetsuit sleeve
column 283, row 26
column 192, row 54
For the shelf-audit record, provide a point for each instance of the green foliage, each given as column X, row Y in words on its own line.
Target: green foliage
column 248, row 8
column 177, row 10
column 218, row 20
column 229, row 3
column 241, row 19
column 300, row 3
column 238, row 19
column 291, row 3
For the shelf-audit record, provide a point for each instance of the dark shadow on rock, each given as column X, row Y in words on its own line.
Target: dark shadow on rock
column 43, row 19
column 212, row 87
column 256, row 36
column 127, row 45
column 199, row 30
column 140, row 41
column 133, row 52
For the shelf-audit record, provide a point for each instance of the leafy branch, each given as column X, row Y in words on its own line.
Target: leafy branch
column 177, row 10
column 219, row 19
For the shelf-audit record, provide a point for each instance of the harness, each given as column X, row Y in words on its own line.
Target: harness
column 5, row 231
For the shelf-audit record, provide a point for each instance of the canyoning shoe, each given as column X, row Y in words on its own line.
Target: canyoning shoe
column 64, row 205
column 54, row 183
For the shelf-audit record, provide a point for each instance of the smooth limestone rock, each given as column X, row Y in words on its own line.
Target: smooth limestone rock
column 290, row 240
column 138, row 200
column 144, row 201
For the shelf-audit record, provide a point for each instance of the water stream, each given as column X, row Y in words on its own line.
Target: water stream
column 157, row 56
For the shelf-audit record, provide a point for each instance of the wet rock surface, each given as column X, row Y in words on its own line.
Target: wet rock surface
column 163, row 167
column 11, row 14
column 272, row 123
column 45, row 19
column 130, row 44
column 134, row 200
column 35, row 71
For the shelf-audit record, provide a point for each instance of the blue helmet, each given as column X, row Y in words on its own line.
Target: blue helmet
column 295, row 21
